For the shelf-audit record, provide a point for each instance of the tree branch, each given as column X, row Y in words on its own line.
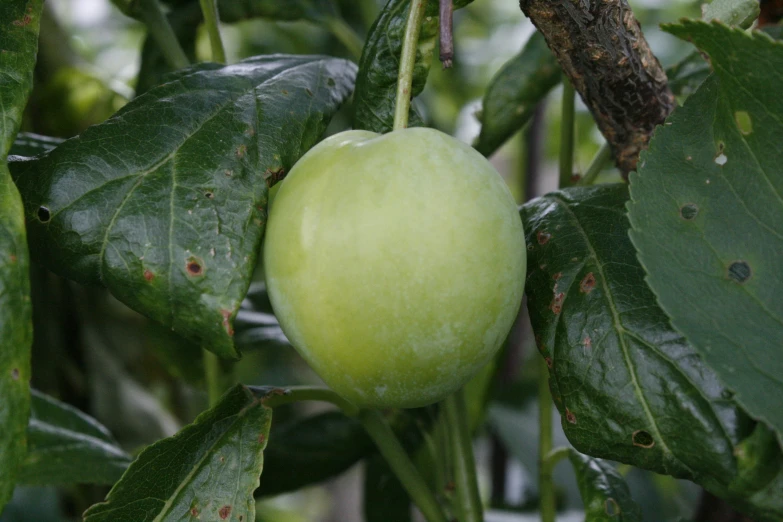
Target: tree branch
column 602, row 50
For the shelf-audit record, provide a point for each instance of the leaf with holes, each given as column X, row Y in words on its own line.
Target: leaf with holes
column 707, row 215
column 628, row 386
column 165, row 202
column 65, row 446
column 207, row 471
column 604, row 492
column 19, row 23
column 514, row 92
column 376, row 83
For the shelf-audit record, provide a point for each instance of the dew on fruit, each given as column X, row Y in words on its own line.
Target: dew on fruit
column 689, row 211
column 224, row 512
column 739, row 271
column 570, row 417
column 43, row 214
column 587, row 284
column 642, row 439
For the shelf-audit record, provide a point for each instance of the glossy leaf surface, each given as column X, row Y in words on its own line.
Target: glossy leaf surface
column 207, row 471
column 605, row 494
column 514, row 92
column 19, row 23
column 628, row 386
column 165, row 203
column 707, row 216
column 66, row 446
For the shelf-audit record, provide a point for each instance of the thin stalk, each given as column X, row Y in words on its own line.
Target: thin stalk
column 209, row 9
column 567, row 134
column 410, row 478
column 309, row 393
column 410, row 43
column 465, row 482
column 161, row 31
column 212, row 374
column 597, row 164
column 346, row 35
column 546, row 487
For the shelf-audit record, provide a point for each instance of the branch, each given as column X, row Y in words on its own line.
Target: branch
column 602, row 50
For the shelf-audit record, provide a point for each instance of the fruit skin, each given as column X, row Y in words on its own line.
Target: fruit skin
column 395, row 264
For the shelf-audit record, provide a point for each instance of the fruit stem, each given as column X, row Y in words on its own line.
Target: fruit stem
column 567, row 134
column 161, row 31
column 346, row 35
column 309, row 393
column 376, row 426
column 209, row 9
column 597, row 164
column 466, row 485
column 410, row 44
column 546, row 487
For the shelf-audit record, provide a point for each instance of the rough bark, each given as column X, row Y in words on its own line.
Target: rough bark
column 771, row 12
column 602, row 50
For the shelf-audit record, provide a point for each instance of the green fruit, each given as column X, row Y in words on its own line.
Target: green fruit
column 395, row 264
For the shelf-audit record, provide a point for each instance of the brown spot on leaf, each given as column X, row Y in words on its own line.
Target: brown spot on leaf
column 194, row 512
column 241, row 151
column 224, row 512
column 557, row 276
column 587, row 284
column 543, row 237
column 15, row 374
column 450, row 486
column 227, row 322
column 548, row 362
column 209, row 195
column 272, row 176
column 194, row 266
column 24, row 21
column 570, row 417
column 148, row 275
column 557, row 303
column 642, row 439
column 261, row 438
column 587, row 342
column 12, row 258
column 228, row 173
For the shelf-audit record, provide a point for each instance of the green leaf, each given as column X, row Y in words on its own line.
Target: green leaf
column 741, row 13
column 289, row 10
column 19, row 23
column 165, row 203
column 376, row 83
column 514, row 93
column 707, row 216
column 66, row 446
column 256, row 324
column 687, row 74
column 604, row 492
column 207, row 471
column 27, row 145
column 310, row 450
column 628, row 386
column 385, row 499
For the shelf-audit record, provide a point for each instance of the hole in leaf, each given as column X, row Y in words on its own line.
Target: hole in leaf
column 43, row 214
column 739, row 271
column 209, row 195
column 642, row 439
column 611, row 507
column 689, row 211
column 721, row 159
column 744, row 122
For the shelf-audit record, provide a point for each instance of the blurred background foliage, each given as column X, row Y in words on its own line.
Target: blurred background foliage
column 144, row 383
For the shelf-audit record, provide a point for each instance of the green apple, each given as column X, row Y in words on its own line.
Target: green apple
column 395, row 264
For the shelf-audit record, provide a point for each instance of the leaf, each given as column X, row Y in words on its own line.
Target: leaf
column 385, row 499
column 165, row 203
column 66, row 446
column 707, row 216
column 741, row 13
column 19, row 24
column 628, row 386
column 310, row 450
column 376, row 83
column 687, row 74
column 256, row 324
column 514, row 93
column 289, row 10
column 207, row 471
column 27, row 145
column 604, row 492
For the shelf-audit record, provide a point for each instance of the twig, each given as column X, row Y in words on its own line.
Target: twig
column 446, row 33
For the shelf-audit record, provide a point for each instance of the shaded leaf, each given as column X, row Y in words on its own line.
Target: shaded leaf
column 256, row 324
column 687, row 74
column 605, row 494
column 707, row 216
column 19, row 24
column 514, row 93
column 27, row 145
column 207, row 471
column 741, row 13
column 66, row 446
column 376, row 82
column 628, row 386
column 385, row 500
column 165, row 203
column 310, row 450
